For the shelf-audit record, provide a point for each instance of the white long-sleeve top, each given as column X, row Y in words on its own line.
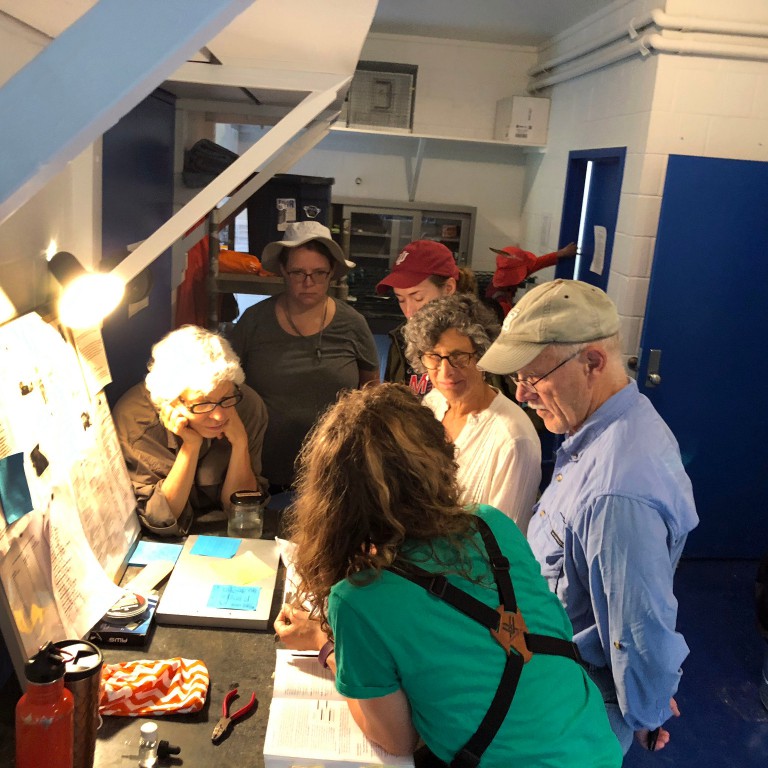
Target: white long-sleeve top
column 499, row 456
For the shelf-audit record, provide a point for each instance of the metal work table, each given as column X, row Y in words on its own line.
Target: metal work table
column 245, row 658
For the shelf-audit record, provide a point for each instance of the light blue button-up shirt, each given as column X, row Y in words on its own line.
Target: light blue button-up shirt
column 608, row 533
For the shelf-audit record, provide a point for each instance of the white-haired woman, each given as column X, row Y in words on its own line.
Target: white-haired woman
column 498, row 450
column 192, row 432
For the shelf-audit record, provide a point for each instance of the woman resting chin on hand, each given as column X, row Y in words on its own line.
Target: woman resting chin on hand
column 192, row 433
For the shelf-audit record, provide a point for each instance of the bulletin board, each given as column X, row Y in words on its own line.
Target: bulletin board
column 67, row 509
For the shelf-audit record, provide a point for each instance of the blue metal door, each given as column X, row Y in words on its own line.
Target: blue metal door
column 707, row 317
column 592, row 193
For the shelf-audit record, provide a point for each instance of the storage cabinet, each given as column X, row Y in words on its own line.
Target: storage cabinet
column 373, row 233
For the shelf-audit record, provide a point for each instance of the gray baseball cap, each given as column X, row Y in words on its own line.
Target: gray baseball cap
column 560, row 311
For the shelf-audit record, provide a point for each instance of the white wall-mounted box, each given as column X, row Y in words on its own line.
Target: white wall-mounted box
column 522, row 120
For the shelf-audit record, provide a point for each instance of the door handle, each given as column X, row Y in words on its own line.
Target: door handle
column 652, row 377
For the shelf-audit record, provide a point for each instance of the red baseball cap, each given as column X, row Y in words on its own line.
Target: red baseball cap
column 418, row 261
column 513, row 265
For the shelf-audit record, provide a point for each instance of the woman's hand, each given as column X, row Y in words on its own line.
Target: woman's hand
column 175, row 419
column 234, row 430
column 300, row 633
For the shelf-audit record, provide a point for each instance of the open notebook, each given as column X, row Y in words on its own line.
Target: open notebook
column 221, row 582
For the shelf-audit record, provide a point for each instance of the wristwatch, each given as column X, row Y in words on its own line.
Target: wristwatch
column 324, row 653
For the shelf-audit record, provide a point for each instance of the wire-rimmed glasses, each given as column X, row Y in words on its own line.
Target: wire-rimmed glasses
column 519, row 381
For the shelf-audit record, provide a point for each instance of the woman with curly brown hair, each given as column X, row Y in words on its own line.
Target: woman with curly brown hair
column 378, row 507
column 497, row 448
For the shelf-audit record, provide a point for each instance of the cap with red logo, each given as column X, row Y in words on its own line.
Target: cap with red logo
column 514, row 265
column 418, row 261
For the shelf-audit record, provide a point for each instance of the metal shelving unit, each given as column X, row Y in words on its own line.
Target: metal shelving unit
column 373, row 232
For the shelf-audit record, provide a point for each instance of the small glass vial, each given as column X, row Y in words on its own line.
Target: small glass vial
column 148, row 745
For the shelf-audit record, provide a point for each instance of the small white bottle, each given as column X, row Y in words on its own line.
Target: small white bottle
column 148, row 745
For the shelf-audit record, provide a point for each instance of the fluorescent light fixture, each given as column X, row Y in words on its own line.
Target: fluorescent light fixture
column 87, row 297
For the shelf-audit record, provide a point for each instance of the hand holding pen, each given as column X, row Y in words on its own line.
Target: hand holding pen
column 298, row 631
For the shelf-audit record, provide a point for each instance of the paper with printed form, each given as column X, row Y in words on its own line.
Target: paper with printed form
column 310, row 723
column 299, row 676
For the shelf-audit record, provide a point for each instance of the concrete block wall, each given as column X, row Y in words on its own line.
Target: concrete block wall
column 655, row 106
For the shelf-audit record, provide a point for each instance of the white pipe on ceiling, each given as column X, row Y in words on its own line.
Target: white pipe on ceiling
column 588, row 48
column 646, row 45
column 715, row 26
column 658, row 18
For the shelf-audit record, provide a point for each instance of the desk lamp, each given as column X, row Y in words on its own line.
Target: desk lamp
column 88, row 297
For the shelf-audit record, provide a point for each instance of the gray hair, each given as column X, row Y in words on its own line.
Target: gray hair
column 462, row 312
column 190, row 359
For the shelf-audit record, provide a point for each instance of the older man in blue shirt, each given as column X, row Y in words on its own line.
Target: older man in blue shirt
column 610, row 528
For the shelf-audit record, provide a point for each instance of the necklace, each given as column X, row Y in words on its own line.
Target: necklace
column 318, row 346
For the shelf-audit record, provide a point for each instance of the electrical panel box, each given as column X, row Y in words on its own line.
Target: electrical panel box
column 522, row 120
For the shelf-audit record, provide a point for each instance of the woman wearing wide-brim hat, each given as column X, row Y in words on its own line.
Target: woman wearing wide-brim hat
column 300, row 348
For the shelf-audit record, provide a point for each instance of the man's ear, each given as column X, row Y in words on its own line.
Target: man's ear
column 596, row 359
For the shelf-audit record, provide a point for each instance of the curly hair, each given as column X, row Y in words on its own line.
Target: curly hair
column 376, row 470
column 190, row 359
column 461, row 312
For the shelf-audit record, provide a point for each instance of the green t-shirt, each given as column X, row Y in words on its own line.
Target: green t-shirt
column 392, row 634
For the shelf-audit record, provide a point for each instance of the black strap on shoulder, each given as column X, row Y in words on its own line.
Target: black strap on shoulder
column 507, row 627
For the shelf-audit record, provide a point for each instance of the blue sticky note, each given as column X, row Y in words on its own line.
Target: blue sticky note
column 152, row 551
column 14, row 491
column 234, row 598
column 215, row 546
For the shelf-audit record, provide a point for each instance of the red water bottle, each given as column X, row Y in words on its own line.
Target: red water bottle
column 44, row 714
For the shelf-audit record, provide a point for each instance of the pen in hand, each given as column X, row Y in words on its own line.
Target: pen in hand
column 288, row 599
column 652, row 739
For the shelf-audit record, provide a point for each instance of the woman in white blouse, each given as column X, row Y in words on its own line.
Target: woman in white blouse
column 498, row 450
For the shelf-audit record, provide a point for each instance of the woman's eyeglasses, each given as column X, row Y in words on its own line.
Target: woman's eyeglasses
column 314, row 277
column 431, row 360
column 226, row 402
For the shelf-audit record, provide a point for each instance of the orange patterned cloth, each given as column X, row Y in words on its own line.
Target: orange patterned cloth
column 153, row 687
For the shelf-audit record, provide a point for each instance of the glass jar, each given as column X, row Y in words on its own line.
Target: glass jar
column 245, row 517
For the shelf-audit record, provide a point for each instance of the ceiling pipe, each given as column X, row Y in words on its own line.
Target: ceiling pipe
column 705, row 48
column 658, row 18
column 588, row 48
column 715, row 26
column 646, row 45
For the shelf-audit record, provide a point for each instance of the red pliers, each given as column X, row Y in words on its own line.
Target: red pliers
column 226, row 719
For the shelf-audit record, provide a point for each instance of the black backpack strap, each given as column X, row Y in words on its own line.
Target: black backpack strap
column 507, row 627
column 469, row 755
column 436, row 584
